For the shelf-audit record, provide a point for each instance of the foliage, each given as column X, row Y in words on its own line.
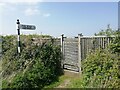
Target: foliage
column 115, row 46
column 107, row 32
column 8, row 42
column 35, row 67
column 101, row 68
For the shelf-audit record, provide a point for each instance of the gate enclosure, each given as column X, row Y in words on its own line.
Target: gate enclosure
column 76, row 49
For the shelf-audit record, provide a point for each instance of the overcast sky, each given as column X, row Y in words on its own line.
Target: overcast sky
column 56, row 18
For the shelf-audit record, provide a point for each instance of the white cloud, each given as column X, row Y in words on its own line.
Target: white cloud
column 32, row 6
column 47, row 15
column 31, row 11
column 18, row 1
column 2, row 4
column 6, row 6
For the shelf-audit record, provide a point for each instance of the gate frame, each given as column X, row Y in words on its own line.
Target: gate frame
column 80, row 36
column 79, row 51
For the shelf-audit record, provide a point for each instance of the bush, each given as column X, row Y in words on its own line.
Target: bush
column 101, row 70
column 36, row 66
column 115, row 46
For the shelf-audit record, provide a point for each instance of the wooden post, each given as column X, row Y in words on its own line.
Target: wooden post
column 62, row 42
column 79, row 52
column 18, row 28
column 62, row 39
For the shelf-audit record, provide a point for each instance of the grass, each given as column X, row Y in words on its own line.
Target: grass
column 75, row 82
column 0, row 64
column 57, row 83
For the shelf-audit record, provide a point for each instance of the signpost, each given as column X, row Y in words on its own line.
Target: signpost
column 22, row 26
column 30, row 27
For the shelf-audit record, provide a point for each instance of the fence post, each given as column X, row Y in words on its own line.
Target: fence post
column 62, row 39
column 18, row 28
column 79, row 52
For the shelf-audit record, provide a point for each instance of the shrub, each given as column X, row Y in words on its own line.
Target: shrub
column 101, row 69
column 115, row 46
column 36, row 66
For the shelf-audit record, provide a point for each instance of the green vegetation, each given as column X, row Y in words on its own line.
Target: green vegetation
column 39, row 65
column 101, row 68
column 107, row 32
column 35, row 67
column 115, row 46
column 66, row 81
column 60, row 80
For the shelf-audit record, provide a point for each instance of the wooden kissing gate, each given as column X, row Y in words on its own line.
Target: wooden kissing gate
column 75, row 49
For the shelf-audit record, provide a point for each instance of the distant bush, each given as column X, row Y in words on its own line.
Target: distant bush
column 36, row 65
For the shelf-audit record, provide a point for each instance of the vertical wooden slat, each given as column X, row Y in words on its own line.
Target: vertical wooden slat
column 62, row 49
column 79, row 52
column 83, row 48
column 101, row 42
column 87, row 46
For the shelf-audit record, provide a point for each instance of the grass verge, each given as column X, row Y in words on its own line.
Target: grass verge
column 75, row 82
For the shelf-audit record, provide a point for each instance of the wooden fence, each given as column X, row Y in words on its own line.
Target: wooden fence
column 76, row 49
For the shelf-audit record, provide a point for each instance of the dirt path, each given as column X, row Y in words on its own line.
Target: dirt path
column 68, row 78
column 64, row 84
